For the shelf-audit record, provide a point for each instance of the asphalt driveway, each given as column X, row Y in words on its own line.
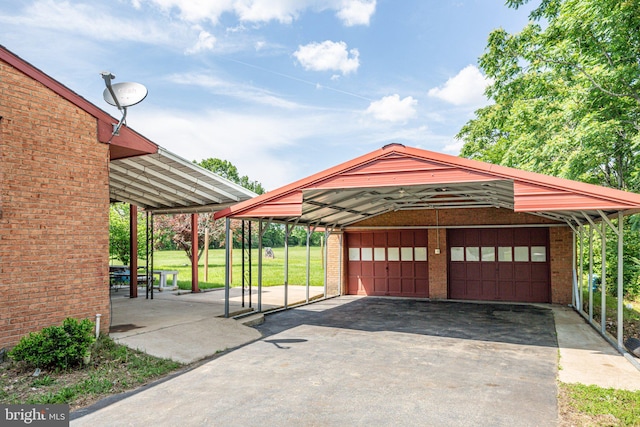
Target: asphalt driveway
column 368, row 361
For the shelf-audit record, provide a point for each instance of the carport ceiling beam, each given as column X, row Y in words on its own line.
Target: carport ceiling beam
column 314, row 198
column 152, row 193
column 126, row 196
column 145, row 179
column 224, row 182
column 336, row 208
column 193, row 180
column 191, row 189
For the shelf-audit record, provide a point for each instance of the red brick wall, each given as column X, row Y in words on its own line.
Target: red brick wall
column 560, row 242
column 54, row 202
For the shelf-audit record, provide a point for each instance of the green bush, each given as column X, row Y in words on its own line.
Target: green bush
column 58, row 347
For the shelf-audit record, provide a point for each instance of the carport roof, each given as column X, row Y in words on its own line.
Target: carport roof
column 396, row 177
column 163, row 182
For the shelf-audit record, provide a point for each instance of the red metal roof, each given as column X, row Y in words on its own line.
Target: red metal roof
column 129, row 143
column 398, row 177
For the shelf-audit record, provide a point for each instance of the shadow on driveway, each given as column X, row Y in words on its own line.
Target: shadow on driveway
column 505, row 323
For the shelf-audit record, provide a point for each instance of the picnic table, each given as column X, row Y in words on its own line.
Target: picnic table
column 120, row 275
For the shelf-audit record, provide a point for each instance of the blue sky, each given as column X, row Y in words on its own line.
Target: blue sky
column 280, row 88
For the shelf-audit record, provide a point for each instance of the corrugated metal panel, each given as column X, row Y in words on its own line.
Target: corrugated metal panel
column 166, row 183
column 403, row 178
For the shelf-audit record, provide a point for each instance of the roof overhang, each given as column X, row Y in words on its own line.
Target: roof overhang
column 398, row 178
column 166, row 183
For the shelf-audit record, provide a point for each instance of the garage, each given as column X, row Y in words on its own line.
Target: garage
column 499, row 264
column 388, row 263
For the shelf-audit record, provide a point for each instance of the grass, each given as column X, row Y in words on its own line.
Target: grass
column 630, row 316
column 272, row 269
column 595, row 406
column 113, row 369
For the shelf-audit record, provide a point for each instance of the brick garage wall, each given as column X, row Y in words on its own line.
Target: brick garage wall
column 561, row 252
column 335, row 264
column 54, row 202
column 560, row 241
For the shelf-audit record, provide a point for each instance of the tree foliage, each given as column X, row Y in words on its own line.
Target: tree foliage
column 566, row 99
column 227, row 170
column 119, row 232
column 566, row 92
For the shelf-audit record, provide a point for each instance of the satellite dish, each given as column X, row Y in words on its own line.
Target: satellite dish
column 127, row 94
column 121, row 95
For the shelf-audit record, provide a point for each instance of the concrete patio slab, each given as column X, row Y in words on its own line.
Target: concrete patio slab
column 587, row 358
column 367, row 361
column 188, row 327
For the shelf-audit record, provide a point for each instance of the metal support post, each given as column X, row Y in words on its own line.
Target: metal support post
column 227, row 264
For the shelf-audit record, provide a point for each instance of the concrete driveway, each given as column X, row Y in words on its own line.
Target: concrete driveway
column 367, row 361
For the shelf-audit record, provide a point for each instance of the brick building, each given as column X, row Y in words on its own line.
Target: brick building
column 60, row 167
column 54, row 201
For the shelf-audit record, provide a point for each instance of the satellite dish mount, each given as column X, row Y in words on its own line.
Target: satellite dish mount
column 122, row 95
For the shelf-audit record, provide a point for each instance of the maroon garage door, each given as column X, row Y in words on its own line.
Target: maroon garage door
column 499, row 264
column 388, row 263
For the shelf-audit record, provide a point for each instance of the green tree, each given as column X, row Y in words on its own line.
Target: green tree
column 566, row 100
column 177, row 228
column 227, row 170
column 119, row 242
column 567, row 93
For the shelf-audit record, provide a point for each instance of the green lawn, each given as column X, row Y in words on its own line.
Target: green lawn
column 596, row 406
column 272, row 269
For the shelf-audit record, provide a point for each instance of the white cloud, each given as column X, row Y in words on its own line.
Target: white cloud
column 350, row 12
column 91, row 20
column 194, row 10
column 252, row 141
column 453, row 147
column 283, row 11
column 465, row 88
column 242, row 92
column 328, row 56
column 356, row 12
column 205, row 42
column 393, row 109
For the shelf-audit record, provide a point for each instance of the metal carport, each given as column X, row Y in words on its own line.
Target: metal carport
column 165, row 183
column 398, row 178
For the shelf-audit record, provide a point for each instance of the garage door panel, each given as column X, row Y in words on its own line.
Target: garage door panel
column 354, row 287
column 505, row 271
column 367, row 269
column 380, row 286
column 395, row 286
column 385, row 263
column 354, row 268
column 421, row 270
column 522, row 271
column 394, row 269
column 506, row 291
column 380, row 269
column 488, row 270
column 406, row 269
column 489, row 288
column 539, row 273
column 473, row 270
column 473, row 288
column 408, row 286
column 457, row 271
column 513, row 264
column 422, row 287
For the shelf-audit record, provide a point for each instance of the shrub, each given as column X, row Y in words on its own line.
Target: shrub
column 58, row 347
